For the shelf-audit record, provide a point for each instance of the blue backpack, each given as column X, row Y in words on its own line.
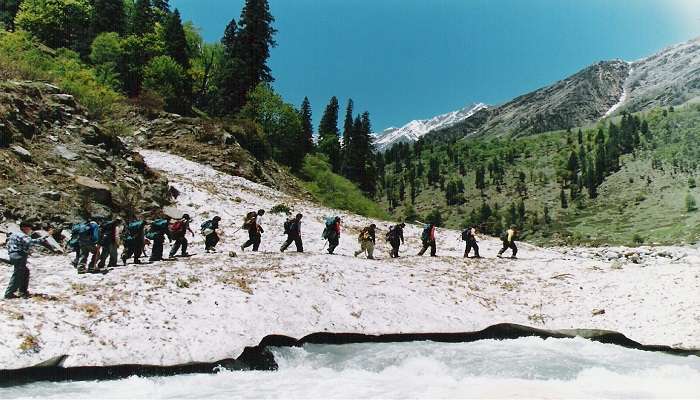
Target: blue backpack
column 330, row 221
column 160, row 225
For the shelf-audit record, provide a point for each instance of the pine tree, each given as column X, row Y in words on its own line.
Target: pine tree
column 329, row 142
column 232, row 88
column 306, row 125
column 109, row 16
column 350, row 129
column 8, row 12
column 176, row 41
column 480, row 179
column 562, row 197
column 256, row 38
column 368, row 177
column 143, row 19
column 521, row 213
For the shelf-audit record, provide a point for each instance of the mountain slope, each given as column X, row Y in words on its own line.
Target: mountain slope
column 211, row 306
column 416, row 129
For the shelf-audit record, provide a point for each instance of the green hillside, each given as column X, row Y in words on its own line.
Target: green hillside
column 630, row 180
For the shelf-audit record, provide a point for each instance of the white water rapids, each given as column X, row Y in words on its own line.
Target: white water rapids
column 522, row 368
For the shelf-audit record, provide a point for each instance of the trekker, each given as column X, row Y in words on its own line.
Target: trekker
column 395, row 239
column 134, row 241
column 178, row 232
column 211, row 235
column 18, row 246
column 88, row 240
column 157, row 232
column 253, row 223
column 292, row 228
column 469, row 236
column 332, row 233
column 367, row 240
column 508, row 239
column 428, row 239
column 109, row 243
column 74, row 244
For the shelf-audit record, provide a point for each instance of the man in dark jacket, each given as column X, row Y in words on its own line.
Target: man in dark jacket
column 255, row 230
column 157, row 232
column 293, row 231
column 469, row 236
column 508, row 240
column 333, row 235
column 211, row 235
column 428, row 238
column 395, row 239
column 134, row 241
column 179, row 233
column 89, row 241
column 109, row 241
column 18, row 247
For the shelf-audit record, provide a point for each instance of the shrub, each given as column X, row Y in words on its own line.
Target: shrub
column 691, row 183
column 281, row 209
column 335, row 191
column 637, row 239
column 690, row 203
column 168, row 79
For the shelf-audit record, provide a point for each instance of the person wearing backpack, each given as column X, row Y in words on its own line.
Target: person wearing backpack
column 367, row 240
column 178, row 232
column 395, row 239
column 109, row 242
column 210, row 232
column 157, row 232
column 253, row 223
column 508, row 239
column 292, row 228
column 134, row 241
column 428, row 239
column 74, row 244
column 18, row 247
column 469, row 236
column 332, row 233
column 89, row 241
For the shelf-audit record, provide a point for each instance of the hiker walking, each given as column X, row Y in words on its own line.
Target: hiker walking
column 211, row 235
column 469, row 236
column 88, row 240
column 428, row 239
column 367, row 240
column 178, row 232
column 18, row 246
column 292, row 228
column 508, row 239
column 395, row 239
column 74, row 243
column 331, row 232
column 157, row 232
column 134, row 241
column 109, row 243
column 252, row 224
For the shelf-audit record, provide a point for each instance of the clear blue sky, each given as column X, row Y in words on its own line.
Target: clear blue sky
column 409, row 59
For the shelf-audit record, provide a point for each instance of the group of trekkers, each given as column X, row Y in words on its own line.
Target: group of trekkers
column 96, row 244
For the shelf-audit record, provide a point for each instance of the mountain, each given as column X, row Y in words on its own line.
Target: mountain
column 670, row 77
column 414, row 130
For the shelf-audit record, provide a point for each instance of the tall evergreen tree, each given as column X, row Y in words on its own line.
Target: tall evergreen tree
column 176, row 41
column 329, row 142
column 143, row 19
column 256, row 38
column 8, row 12
column 307, row 127
column 232, row 88
column 108, row 16
column 348, row 125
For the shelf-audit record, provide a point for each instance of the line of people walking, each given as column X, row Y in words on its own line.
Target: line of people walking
column 96, row 244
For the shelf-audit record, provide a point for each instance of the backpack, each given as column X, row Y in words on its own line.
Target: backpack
column 425, row 236
column 206, row 228
column 249, row 219
column 79, row 230
column 288, row 226
column 391, row 235
column 159, row 225
column 177, row 226
column 135, row 227
column 330, row 221
column 466, row 234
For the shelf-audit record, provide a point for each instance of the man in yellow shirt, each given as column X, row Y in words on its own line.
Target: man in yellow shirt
column 509, row 242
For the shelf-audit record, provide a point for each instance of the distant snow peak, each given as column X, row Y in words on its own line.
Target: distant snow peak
column 414, row 130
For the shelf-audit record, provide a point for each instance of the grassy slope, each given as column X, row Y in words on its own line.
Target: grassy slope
column 636, row 201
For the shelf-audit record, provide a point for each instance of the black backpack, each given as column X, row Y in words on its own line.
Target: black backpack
column 288, row 226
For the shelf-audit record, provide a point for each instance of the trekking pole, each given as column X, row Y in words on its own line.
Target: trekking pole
column 324, row 244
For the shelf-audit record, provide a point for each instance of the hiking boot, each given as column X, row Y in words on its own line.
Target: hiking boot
column 11, row 296
column 123, row 260
column 137, row 261
column 499, row 256
column 243, row 248
column 81, row 271
column 513, row 257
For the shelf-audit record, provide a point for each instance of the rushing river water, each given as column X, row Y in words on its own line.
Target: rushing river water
column 528, row 367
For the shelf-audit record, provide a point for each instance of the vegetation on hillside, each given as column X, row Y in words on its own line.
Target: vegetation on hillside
column 627, row 181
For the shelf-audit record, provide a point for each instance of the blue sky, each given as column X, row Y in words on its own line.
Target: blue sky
column 409, row 59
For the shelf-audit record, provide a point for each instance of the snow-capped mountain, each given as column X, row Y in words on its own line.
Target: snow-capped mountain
column 414, row 130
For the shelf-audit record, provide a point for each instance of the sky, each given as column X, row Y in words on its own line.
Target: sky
column 413, row 59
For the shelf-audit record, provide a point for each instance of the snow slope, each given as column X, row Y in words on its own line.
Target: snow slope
column 414, row 130
column 209, row 307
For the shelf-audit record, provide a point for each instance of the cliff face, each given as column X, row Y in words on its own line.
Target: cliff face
column 56, row 165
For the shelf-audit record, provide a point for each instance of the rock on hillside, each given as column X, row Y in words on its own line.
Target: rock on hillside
column 56, row 165
column 577, row 100
column 211, row 306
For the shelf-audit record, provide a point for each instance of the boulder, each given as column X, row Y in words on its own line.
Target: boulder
column 22, row 153
column 64, row 153
column 95, row 190
column 51, row 195
column 63, row 99
column 172, row 212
